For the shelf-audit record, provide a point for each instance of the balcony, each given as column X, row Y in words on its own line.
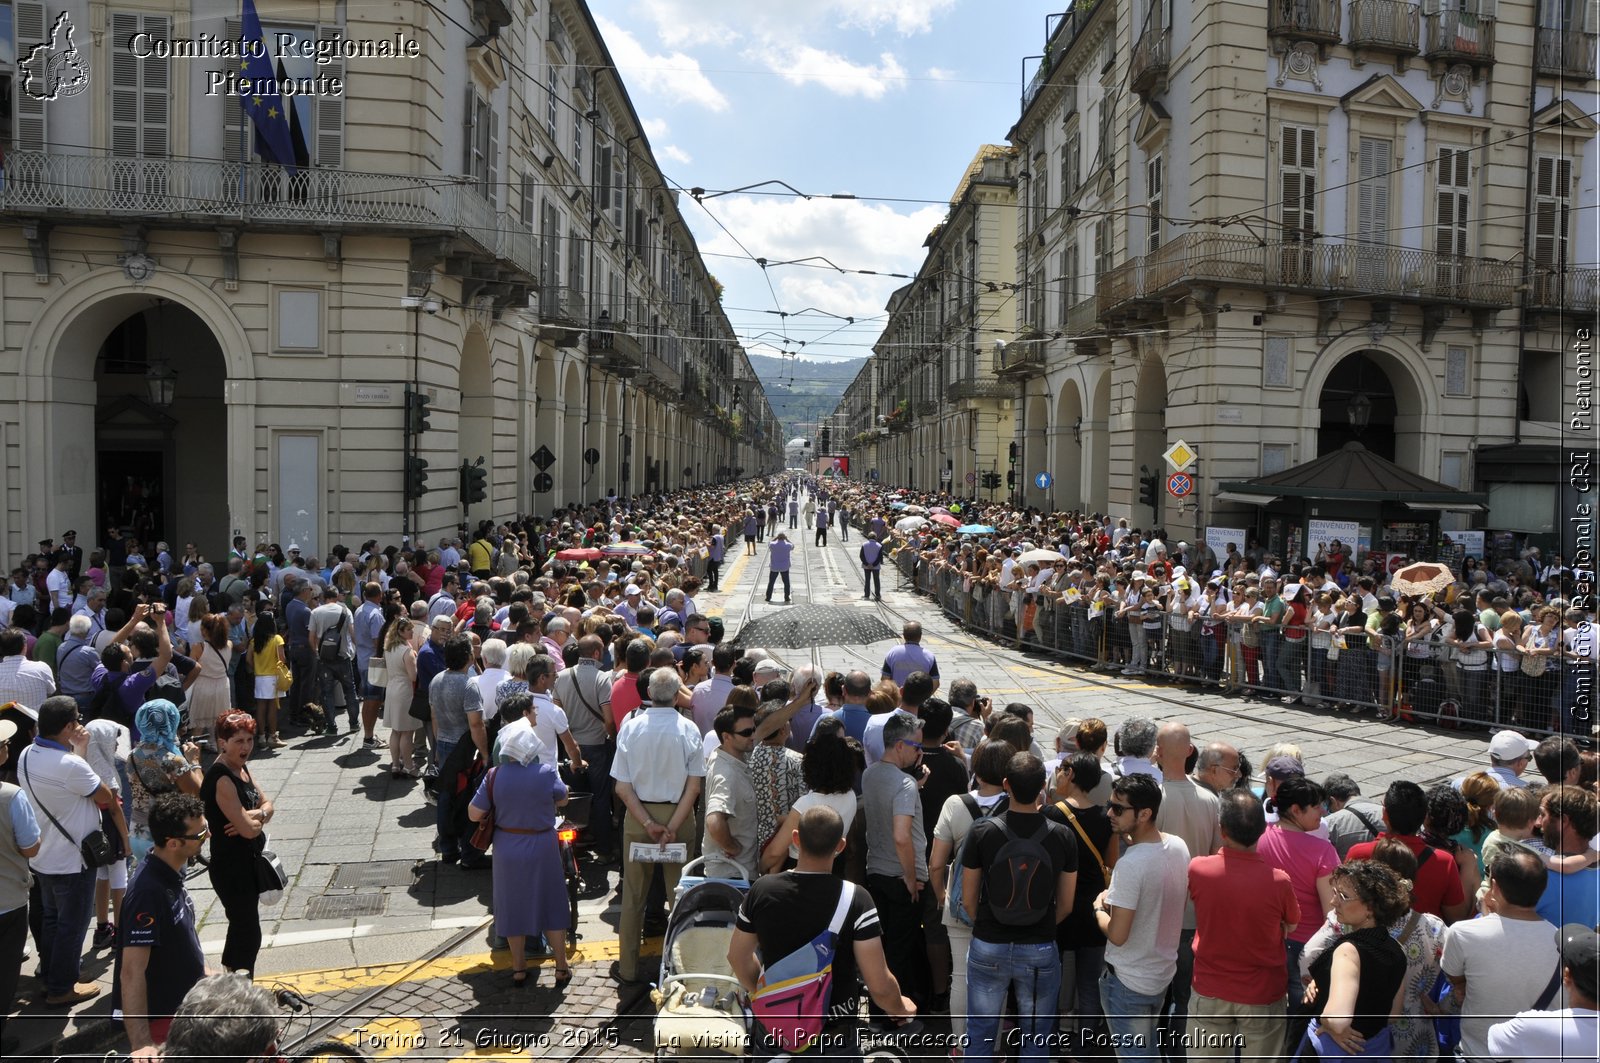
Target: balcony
column 1390, row 26
column 1022, row 359
column 1459, row 37
column 977, row 388
column 1304, row 20
column 205, row 194
column 1147, row 69
column 612, row 347
column 661, row 379
column 1083, row 316
column 1366, row 271
column 1564, row 53
column 1576, row 291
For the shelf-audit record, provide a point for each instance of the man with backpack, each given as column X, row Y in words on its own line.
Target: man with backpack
column 810, row 923
column 1019, row 872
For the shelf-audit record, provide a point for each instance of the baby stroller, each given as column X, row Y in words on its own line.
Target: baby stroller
column 700, row 1006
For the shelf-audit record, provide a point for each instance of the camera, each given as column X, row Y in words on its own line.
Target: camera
column 432, row 306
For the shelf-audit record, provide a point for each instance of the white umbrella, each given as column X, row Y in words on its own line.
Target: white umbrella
column 1041, row 557
column 909, row 524
column 915, row 509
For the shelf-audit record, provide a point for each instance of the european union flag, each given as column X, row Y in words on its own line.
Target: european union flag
column 265, row 105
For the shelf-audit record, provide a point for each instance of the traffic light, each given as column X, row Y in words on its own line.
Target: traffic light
column 1149, row 484
column 474, row 483
column 827, row 439
column 1011, row 477
column 417, row 412
column 1013, row 453
column 416, row 477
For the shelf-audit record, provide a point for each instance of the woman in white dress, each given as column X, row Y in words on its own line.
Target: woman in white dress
column 400, row 658
column 210, row 695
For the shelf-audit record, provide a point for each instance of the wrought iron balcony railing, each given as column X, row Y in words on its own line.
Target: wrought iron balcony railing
column 1356, row 270
column 207, row 193
column 1082, row 317
column 1305, row 20
column 1385, row 26
column 563, row 306
column 1022, row 358
column 978, row 388
column 1564, row 53
column 1147, row 69
column 1574, row 291
column 1459, row 37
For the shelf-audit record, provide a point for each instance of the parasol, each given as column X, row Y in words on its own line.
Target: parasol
column 947, row 520
column 579, row 553
column 805, row 626
column 915, row 509
column 626, row 550
column 906, row 524
column 1421, row 577
column 897, row 506
column 975, row 529
column 1042, row 557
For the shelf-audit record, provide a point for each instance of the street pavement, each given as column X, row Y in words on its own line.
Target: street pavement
column 393, row 949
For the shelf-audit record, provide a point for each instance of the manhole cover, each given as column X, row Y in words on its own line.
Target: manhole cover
column 339, row 905
column 374, row 873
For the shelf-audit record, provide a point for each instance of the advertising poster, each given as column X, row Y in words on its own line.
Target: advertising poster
column 1219, row 538
column 1323, row 532
column 841, row 465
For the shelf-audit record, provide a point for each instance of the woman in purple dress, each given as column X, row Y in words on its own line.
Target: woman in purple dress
column 530, row 891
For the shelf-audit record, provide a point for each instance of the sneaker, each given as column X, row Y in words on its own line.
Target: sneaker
column 373, row 742
column 104, row 935
column 1130, row 671
column 76, row 995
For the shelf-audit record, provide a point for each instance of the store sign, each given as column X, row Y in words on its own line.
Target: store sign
column 1324, row 532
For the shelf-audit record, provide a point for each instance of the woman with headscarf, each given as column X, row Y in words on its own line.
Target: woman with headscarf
column 530, row 891
column 157, row 765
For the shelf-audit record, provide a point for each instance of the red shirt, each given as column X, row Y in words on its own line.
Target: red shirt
column 1240, row 905
column 1438, row 881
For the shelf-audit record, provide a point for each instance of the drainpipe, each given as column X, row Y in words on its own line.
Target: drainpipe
column 1523, row 289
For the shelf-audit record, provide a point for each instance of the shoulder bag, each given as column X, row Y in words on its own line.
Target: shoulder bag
column 1066, row 810
column 96, row 848
column 483, row 834
column 330, row 646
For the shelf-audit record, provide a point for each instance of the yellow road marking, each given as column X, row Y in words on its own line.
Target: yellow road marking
column 735, row 570
column 334, row 980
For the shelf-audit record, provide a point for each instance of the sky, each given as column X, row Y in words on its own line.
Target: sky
column 887, row 100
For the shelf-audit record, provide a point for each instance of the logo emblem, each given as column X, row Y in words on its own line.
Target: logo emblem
column 56, row 69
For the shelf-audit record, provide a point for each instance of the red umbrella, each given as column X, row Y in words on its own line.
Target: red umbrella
column 579, row 553
column 947, row 520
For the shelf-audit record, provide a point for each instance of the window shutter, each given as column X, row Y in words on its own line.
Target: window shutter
column 1153, row 197
column 1487, row 9
column 1372, row 195
column 1591, row 16
column 491, row 164
column 1297, row 165
column 525, row 207
column 31, row 30
column 328, row 112
column 1450, row 224
column 234, row 119
column 1552, row 179
column 469, row 134
column 124, row 86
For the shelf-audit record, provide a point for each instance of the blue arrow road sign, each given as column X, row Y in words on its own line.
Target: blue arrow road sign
column 1043, row 480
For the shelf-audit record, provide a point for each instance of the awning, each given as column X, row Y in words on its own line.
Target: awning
column 1249, row 500
column 1449, row 507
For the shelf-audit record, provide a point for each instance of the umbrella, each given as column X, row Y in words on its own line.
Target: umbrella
column 804, row 626
column 625, row 550
column 947, row 520
column 1421, row 577
column 897, row 505
column 906, row 524
column 579, row 553
column 915, row 509
column 1041, row 557
column 938, row 509
column 975, row 529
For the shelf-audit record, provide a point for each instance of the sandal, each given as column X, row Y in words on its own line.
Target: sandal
column 519, row 978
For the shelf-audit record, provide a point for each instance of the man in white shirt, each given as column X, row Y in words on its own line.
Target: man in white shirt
column 333, row 618
column 544, row 718
column 1141, row 915
column 1500, row 964
column 68, row 796
column 365, row 629
column 1543, row 1034
column 59, row 583
column 21, row 680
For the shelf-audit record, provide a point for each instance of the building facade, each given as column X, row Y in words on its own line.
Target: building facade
column 1275, row 228
column 199, row 344
column 938, row 416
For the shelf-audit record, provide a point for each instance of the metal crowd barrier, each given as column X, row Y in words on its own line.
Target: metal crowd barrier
column 1417, row 681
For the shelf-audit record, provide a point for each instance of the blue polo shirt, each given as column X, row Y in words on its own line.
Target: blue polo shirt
column 157, row 914
column 1573, row 898
column 778, row 554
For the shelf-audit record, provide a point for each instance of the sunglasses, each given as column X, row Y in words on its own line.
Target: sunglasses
column 1116, row 810
column 746, row 733
column 202, row 836
column 1343, row 897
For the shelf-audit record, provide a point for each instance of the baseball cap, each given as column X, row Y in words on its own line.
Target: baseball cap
column 7, row 730
column 294, row 548
column 630, row 590
column 1580, row 952
column 1509, row 745
column 1281, row 768
column 767, row 666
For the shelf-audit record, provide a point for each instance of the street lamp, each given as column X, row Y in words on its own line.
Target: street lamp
column 1359, row 410
column 161, row 382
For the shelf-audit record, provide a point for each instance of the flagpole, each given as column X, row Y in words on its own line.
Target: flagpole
column 244, row 156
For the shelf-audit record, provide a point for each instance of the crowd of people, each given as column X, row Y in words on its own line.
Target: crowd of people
column 546, row 658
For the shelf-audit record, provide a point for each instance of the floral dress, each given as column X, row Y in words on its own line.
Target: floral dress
column 151, row 771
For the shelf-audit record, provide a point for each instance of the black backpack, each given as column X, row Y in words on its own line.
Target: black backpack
column 1019, row 885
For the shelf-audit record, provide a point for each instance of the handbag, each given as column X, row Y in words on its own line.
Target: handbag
column 270, row 876
column 1534, row 666
column 377, row 671
column 285, row 677
column 96, row 848
column 483, row 834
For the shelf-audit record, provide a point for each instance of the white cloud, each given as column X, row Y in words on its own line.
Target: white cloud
column 687, row 23
column 905, row 16
column 852, row 234
column 673, row 77
column 673, row 153
column 655, row 128
column 937, row 73
column 800, row 64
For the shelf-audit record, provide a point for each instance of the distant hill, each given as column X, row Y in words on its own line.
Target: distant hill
column 802, row 392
